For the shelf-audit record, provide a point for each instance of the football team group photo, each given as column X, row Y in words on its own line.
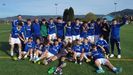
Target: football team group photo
column 66, row 37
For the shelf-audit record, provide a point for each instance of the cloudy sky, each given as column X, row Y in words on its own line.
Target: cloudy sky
column 47, row 7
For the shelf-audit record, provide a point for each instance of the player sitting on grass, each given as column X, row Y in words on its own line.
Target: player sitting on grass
column 87, row 47
column 53, row 50
column 78, row 51
column 14, row 38
column 38, row 49
column 102, row 44
column 63, row 53
column 45, row 49
column 100, row 60
column 29, row 47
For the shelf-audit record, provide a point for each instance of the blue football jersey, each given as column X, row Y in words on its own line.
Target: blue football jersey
column 87, row 47
column 28, row 31
column 54, row 49
column 76, row 29
column 60, row 29
column 15, row 33
column 29, row 45
column 96, row 55
column 36, row 29
column 68, row 31
column 77, row 48
column 51, row 28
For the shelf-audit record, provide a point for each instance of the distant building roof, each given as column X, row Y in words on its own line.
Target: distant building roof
column 108, row 17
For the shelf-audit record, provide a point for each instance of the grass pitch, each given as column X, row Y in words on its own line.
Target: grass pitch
column 24, row 67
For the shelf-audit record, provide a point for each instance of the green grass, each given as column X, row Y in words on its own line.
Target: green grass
column 24, row 67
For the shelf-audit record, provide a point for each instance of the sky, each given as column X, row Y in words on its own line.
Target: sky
column 10, row 8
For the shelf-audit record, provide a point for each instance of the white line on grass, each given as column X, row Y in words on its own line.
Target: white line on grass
column 4, row 31
column 122, row 59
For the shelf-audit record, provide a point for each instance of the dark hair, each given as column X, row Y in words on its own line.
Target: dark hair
column 20, row 24
column 38, row 38
column 85, row 22
column 104, row 18
column 28, row 19
column 59, row 18
column 77, row 40
column 77, row 19
column 98, row 19
column 92, row 21
column 101, row 35
column 51, row 19
column 30, row 38
column 19, row 15
column 43, row 19
column 93, row 45
column 114, row 20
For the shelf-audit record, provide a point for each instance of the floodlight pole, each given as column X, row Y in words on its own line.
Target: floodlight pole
column 56, row 8
column 115, row 7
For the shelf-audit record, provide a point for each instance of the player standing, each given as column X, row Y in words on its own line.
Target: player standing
column 15, row 37
column 76, row 29
column 52, row 30
column 115, row 36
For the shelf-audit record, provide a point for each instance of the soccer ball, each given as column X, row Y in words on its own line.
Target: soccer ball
column 39, row 62
column 15, row 58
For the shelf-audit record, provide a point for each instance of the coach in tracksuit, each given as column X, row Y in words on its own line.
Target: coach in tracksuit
column 115, row 36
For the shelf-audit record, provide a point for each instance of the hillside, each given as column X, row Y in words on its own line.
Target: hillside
column 123, row 12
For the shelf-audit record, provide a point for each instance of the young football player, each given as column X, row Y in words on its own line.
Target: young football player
column 84, row 31
column 78, row 52
column 105, row 30
column 65, row 50
column 28, row 50
column 36, row 29
column 68, row 31
column 53, row 50
column 91, row 31
column 87, row 48
column 52, row 30
column 102, row 44
column 38, row 49
column 100, row 60
column 97, row 29
column 115, row 36
column 76, row 29
column 15, row 36
column 44, row 29
column 60, row 28
column 15, row 22
column 28, row 31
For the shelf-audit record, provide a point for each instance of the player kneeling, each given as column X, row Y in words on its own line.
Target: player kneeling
column 38, row 49
column 87, row 48
column 28, row 51
column 99, row 60
column 78, row 51
column 103, row 46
